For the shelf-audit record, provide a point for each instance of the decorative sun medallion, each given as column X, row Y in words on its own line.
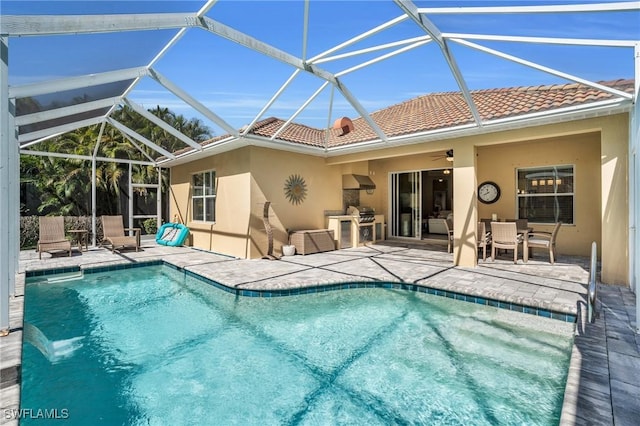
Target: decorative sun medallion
column 295, row 189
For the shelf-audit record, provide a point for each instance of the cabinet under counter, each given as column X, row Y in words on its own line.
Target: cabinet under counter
column 345, row 230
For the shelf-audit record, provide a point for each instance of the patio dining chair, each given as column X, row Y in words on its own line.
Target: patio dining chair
column 448, row 225
column 114, row 233
column 487, row 224
column 51, row 235
column 484, row 239
column 504, row 235
column 545, row 240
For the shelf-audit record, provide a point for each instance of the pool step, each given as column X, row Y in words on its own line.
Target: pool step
column 71, row 276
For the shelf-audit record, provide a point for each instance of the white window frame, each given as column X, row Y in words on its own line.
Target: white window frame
column 205, row 195
column 551, row 169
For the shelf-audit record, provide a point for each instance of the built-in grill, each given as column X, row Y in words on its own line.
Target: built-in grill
column 365, row 215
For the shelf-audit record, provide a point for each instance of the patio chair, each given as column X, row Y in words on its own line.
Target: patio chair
column 114, row 233
column 504, row 235
column 487, row 224
column 484, row 239
column 51, row 237
column 448, row 225
column 545, row 240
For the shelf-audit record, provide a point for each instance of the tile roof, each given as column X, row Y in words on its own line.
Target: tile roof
column 445, row 110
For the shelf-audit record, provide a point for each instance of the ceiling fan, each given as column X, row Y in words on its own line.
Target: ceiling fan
column 447, row 155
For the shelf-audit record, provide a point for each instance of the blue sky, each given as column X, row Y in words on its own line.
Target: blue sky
column 236, row 82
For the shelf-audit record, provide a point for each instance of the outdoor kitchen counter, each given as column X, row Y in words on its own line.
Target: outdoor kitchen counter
column 345, row 230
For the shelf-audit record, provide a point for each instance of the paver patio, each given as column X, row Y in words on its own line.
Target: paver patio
column 604, row 376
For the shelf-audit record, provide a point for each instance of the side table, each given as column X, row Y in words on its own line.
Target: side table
column 80, row 237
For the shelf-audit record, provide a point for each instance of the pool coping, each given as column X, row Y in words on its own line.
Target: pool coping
column 320, row 288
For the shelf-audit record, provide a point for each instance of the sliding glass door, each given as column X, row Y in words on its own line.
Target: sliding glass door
column 406, row 204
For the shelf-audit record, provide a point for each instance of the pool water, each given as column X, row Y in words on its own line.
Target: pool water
column 152, row 346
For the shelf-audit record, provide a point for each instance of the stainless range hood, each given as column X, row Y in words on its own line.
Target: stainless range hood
column 357, row 182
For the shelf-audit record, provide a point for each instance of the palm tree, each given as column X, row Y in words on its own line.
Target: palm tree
column 64, row 184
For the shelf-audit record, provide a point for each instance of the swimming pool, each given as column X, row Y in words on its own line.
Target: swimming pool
column 151, row 345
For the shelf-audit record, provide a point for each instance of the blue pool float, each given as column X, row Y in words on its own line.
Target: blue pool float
column 172, row 234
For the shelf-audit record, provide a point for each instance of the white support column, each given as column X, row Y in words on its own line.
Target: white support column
column 7, row 270
column 159, row 199
column 465, row 205
column 93, row 201
column 130, row 190
column 14, row 197
column 94, row 198
column 634, row 187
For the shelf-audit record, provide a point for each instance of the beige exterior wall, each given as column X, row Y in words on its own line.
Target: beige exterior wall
column 581, row 151
column 228, row 234
column 269, row 172
column 248, row 177
column 597, row 148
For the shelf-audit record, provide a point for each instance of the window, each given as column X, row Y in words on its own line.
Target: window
column 204, row 196
column 545, row 194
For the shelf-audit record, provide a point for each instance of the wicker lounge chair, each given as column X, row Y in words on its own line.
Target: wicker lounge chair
column 504, row 235
column 114, row 234
column 545, row 240
column 52, row 237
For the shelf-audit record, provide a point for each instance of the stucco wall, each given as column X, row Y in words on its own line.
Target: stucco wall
column 597, row 147
column 498, row 163
column 229, row 233
column 601, row 193
column 248, row 177
column 269, row 172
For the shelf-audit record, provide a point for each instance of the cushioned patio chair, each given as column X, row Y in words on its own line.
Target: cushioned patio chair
column 545, row 240
column 114, row 234
column 504, row 235
column 52, row 237
column 484, row 239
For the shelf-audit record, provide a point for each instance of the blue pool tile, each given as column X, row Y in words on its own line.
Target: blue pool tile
column 321, row 288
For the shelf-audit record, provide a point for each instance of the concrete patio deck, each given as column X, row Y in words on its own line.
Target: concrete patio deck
column 604, row 377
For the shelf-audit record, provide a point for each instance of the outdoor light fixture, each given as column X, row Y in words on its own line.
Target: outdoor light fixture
column 550, row 182
column 534, row 183
column 446, row 171
column 542, row 182
column 558, row 181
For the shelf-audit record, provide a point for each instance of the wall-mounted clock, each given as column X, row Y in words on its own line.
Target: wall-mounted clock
column 488, row 192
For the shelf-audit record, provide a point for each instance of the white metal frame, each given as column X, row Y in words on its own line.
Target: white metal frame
column 24, row 26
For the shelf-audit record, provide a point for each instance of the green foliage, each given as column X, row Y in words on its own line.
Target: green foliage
column 150, row 226
column 28, row 232
column 63, row 185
